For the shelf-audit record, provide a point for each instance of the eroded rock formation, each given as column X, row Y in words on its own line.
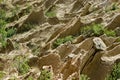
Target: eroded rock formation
column 40, row 24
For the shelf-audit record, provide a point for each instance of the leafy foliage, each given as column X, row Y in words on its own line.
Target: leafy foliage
column 62, row 40
column 84, row 77
column 22, row 65
column 45, row 75
column 11, row 32
column 93, row 30
column 96, row 30
column 115, row 74
column 110, row 32
column 3, row 32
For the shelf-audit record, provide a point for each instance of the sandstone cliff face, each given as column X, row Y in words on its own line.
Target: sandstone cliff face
column 59, row 37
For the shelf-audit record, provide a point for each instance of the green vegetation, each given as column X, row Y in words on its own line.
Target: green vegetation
column 96, row 30
column 84, row 77
column 30, row 78
column 50, row 12
column 45, row 75
column 3, row 32
column 11, row 32
column 2, row 74
column 93, row 30
column 115, row 74
column 110, row 32
column 22, row 64
column 62, row 40
column 112, row 7
column 17, row 12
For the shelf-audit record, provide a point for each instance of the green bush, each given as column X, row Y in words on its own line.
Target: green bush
column 115, row 74
column 60, row 41
column 87, row 31
column 21, row 64
column 23, row 67
column 11, row 32
column 110, row 33
column 3, row 32
column 93, row 30
column 45, row 75
column 96, row 30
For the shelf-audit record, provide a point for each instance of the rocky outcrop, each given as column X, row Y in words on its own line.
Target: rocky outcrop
column 114, row 22
column 101, row 64
column 37, row 32
column 99, row 44
column 50, row 59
